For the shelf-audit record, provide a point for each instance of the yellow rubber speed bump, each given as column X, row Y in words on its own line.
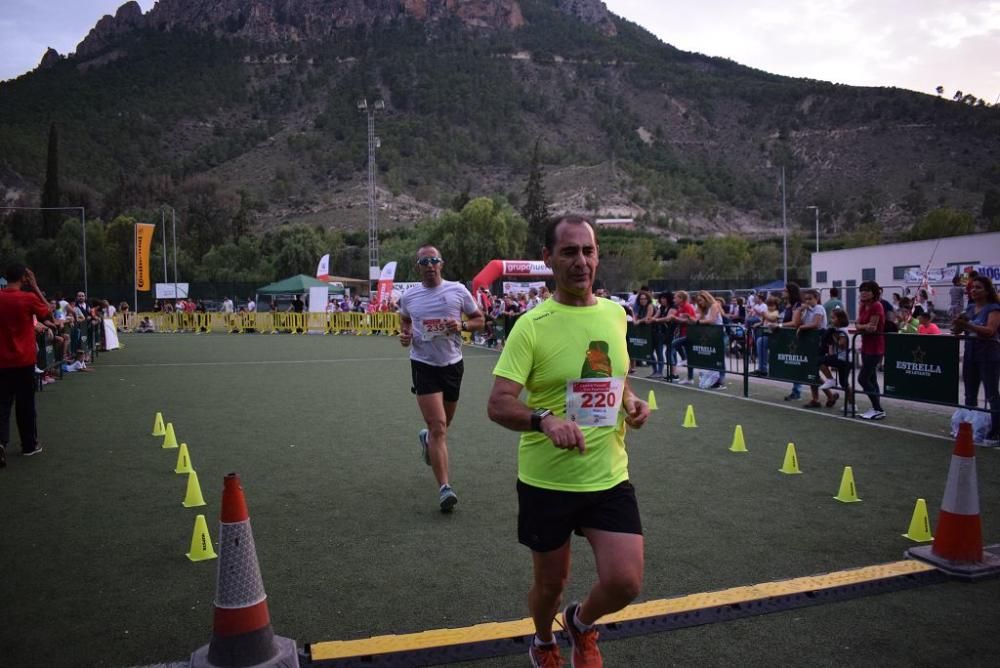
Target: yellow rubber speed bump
column 791, row 463
column 652, row 402
column 689, row 421
column 201, row 541
column 920, row 524
column 158, row 429
column 739, row 445
column 848, row 492
column 193, row 498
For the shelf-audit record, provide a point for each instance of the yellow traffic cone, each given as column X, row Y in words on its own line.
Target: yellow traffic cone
column 920, row 524
column 739, row 445
column 689, row 422
column 169, row 440
column 201, row 542
column 791, row 464
column 193, row 498
column 158, row 429
column 848, row 492
column 183, row 460
column 652, row 402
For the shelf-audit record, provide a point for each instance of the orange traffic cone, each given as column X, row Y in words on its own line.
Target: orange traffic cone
column 958, row 545
column 241, row 630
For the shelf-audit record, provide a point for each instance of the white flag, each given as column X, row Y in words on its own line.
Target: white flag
column 323, row 269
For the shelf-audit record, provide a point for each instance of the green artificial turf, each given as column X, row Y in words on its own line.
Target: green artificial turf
column 322, row 431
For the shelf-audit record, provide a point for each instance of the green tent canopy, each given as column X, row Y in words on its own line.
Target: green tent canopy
column 297, row 285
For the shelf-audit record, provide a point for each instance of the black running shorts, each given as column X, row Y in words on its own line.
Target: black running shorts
column 546, row 518
column 429, row 379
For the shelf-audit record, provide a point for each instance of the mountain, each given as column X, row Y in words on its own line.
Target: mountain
column 252, row 104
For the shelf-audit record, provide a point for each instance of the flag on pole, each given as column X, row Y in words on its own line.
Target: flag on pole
column 385, row 285
column 143, row 242
column 323, row 268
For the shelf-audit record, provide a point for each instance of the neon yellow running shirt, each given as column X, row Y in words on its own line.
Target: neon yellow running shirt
column 549, row 345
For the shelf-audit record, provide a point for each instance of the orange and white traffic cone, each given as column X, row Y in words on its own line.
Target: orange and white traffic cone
column 958, row 545
column 241, row 632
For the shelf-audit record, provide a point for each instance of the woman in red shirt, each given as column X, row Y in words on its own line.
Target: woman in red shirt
column 871, row 324
column 18, row 309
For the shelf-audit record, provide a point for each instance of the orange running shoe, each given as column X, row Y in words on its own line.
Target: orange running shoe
column 545, row 656
column 585, row 651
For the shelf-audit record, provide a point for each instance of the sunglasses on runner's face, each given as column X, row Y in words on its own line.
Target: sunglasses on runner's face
column 424, row 261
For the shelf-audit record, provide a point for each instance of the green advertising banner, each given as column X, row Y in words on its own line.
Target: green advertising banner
column 706, row 347
column 921, row 368
column 794, row 356
column 640, row 341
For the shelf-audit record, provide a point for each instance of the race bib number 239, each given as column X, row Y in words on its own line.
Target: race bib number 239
column 594, row 402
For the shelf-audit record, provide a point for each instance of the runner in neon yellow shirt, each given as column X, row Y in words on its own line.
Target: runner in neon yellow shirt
column 571, row 355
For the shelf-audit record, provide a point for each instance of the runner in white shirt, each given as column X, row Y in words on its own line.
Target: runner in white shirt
column 431, row 323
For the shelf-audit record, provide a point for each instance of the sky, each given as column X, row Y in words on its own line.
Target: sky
column 915, row 44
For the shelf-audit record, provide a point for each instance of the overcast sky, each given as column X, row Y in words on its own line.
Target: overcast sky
column 916, row 44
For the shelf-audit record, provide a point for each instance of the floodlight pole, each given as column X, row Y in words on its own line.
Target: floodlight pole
column 173, row 221
column 373, row 144
column 83, row 229
column 817, row 225
column 784, row 231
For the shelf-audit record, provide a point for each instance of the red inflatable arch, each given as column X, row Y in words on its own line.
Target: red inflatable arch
column 495, row 269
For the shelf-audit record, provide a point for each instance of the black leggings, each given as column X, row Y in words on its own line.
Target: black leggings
column 17, row 386
column 986, row 373
column 868, row 378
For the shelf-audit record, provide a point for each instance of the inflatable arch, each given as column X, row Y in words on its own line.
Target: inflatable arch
column 495, row 269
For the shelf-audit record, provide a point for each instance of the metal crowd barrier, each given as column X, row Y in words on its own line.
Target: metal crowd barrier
column 274, row 322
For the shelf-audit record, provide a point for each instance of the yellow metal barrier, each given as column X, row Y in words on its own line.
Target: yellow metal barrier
column 272, row 321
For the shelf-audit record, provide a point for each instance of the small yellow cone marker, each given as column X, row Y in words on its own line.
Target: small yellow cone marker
column 689, row 421
column 169, row 440
column 920, row 524
column 183, row 460
column 158, row 429
column 791, row 464
column 193, row 498
column 652, row 402
column 848, row 492
column 739, row 445
column 201, row 542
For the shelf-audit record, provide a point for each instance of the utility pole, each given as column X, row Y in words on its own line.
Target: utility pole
column 817, row 225
column 784, row 231
column 373, row 144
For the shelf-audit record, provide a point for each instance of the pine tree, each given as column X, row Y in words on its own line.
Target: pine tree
column 50, row 191
column 536, row 209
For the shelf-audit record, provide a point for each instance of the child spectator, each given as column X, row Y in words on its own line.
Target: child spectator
column 925, row 326
column 837, row 349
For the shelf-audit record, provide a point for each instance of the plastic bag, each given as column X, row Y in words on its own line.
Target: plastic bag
column 706, row 379
column 980, row 420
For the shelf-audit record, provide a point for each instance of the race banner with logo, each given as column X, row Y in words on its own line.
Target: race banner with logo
column 525, row 268
column 922, row 368
column 385, row 284
column 514, row 288
column 795, row 356
column 706, row 347
column 640, row 341
column 143, row 243
column 323, row 268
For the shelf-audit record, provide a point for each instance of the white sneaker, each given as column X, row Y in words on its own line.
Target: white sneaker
column 990, row 443
column 685, row 382
column 869, row 415
column 829, row 384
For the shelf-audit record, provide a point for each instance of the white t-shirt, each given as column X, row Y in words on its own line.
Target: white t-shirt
column 428, row 308
column 809, row 316
column 251, row 306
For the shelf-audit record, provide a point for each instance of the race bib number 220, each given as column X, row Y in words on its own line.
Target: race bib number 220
column 594, row 402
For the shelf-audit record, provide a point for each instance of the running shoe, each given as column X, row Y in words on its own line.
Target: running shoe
column 447, row 498
column 34, row 451
column 585, row 651
column 987, row 443
column 545, row 656
column 828, row 384
column 872, row 415
column 686, row 381
column 424, row 452
column 879, row 415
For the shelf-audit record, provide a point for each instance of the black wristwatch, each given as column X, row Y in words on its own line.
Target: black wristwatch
column 538, row 416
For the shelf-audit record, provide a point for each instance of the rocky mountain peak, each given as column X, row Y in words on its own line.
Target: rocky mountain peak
column 50, row 58
column 593, row 12
column 128, row 17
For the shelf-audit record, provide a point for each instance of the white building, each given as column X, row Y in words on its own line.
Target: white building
column 888, row 265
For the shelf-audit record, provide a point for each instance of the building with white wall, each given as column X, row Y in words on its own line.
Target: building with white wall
column 888, row 264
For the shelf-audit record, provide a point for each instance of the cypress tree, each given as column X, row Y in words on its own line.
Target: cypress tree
column 536, row 209
column 50, row 192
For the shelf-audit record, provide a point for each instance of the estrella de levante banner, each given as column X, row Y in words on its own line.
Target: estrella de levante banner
column 143, row 242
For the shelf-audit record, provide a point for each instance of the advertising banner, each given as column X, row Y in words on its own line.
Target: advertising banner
column 323, row 268
column 166, row 291
column 385, row 285
column 706, row 347
column 525, row 268
column 922, row 368
column 514, row 288
column 143, row 242
column 640, row 341
column 795, row 356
